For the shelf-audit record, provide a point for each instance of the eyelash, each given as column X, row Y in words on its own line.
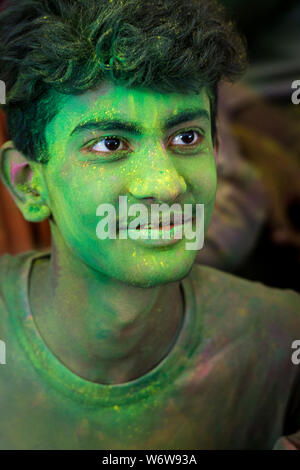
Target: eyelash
column 89, row 148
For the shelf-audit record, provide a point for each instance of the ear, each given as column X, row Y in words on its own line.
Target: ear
column 25, row 182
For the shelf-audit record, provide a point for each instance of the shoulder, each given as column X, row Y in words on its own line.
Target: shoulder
column 14, row 271
column 269, row 310
column 253, row 329
column 226, row 283
column 11, row 275
column 9, row 267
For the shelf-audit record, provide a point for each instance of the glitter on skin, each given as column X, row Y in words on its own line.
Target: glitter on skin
column 77, row 180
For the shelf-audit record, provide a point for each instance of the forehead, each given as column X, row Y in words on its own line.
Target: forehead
column 109, row 101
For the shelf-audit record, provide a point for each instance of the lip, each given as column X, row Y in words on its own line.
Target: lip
column 157, row 234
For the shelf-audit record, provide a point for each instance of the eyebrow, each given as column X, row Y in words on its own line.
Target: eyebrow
column 136, row 129
column 188, row 115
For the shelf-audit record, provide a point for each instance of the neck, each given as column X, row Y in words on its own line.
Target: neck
column 102, row 329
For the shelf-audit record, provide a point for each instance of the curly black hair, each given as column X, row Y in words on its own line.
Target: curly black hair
column 73, row 45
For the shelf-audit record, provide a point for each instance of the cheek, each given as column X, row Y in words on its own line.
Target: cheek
column 75, row 194
column 202, row 178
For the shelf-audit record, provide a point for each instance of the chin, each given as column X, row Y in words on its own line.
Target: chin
column 155, row 277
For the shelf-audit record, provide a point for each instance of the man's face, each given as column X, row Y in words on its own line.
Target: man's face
column 160, row 151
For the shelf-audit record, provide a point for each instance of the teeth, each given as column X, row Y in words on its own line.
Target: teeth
column 149, row 226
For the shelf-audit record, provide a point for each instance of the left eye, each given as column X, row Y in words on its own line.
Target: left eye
column 109, row 144
column 186, row 138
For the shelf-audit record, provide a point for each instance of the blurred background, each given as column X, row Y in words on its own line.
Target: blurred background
column 255, row 230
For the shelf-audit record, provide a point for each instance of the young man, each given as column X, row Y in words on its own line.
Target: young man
column 121, row 343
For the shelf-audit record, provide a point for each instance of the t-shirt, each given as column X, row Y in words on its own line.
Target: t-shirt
column 228, row 382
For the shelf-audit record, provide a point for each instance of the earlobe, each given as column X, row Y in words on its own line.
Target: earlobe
column 23, row 180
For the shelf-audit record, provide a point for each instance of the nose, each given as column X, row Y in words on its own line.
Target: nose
column 157, row 179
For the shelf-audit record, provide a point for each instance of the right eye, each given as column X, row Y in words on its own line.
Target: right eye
column 109, row 144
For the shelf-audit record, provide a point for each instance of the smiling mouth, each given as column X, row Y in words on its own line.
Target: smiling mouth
column 162, row 226
column 156, row 227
